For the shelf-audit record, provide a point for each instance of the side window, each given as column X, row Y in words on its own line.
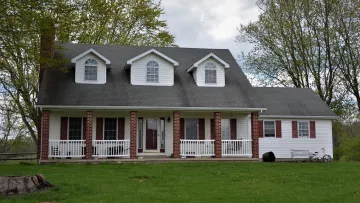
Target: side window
column 210, row 73
column 91, row 69
column 152, row 72
column 303, row 129
column 110, row 128
column 269, row 128
column 75, row 128
column 191, row 129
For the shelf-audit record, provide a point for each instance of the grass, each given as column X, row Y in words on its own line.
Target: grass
column 194, row 182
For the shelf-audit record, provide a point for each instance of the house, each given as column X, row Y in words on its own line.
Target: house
column 129, row 102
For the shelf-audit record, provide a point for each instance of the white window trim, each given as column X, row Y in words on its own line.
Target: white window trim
column 264, row 129
column 175, row 63
column 298, row 129
column 216, row 74
column 162, row 119
column 197, row 128
column 68, row 128
column 103, row 131
column 158, row 72
column 196, row 65
column 107, row 61
column 92, row 65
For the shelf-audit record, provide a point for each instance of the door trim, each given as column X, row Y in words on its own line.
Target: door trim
column 158, row 137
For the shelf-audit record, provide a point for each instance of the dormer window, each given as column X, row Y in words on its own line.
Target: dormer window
column 91, row 66
column 210, row 73
column 152, row 72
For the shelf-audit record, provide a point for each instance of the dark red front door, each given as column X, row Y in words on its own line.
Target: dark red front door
column 151, row 134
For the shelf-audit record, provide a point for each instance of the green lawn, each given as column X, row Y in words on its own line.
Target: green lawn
column 194, row 182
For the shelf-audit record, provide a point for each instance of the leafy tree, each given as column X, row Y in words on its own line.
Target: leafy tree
column 122, row 22
column 303, row 44
column 12, row 130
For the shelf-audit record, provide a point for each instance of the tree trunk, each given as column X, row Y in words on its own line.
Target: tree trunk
column 17, row 185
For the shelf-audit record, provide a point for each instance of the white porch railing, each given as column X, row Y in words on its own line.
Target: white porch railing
column 111, row 148
column 66, row 148
column 197, row 147
column 236, row 147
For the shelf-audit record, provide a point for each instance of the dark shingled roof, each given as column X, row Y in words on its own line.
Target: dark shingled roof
column 292, row 101
column 59, row 88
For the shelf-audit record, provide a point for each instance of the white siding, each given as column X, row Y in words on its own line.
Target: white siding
column 80, row 70
column 281, row 146
column 242, row 126
column 242, row 123
column 55, row 121
column 138, row 71
column 195, row 75
column 120, row 114
column 220, row 74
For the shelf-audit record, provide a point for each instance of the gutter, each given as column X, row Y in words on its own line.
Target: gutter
column 149, row 108
column 301, row 117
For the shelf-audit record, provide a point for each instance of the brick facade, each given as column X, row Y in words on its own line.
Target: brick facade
column 176, row 134
column 255, row 134
column 38, row 142
column 217, row 131
column 133, row 132
column 88, row 135
column 45, row 135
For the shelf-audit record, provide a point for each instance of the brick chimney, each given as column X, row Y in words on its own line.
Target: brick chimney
column 47, row 51
column 47, row 45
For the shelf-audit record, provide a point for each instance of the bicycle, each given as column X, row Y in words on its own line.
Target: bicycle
column 320, row 156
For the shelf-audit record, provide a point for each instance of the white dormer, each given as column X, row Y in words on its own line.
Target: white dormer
column 152, row 68
column 209, row 71
column 90, row 67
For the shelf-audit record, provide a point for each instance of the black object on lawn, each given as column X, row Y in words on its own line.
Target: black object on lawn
column 268, row 157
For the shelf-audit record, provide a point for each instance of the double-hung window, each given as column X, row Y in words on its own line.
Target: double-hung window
column 210, row 73
column 91, row 69
column 225, row 129
column 303, row 129
column 152, row 72
column 269, row 128
column 75, row 128
column 110, row 128
column 191, row 129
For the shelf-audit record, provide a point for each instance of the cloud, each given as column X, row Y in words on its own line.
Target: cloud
column 209, row 23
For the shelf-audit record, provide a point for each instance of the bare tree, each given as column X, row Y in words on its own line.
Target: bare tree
column 12, row 129
column 299, row 43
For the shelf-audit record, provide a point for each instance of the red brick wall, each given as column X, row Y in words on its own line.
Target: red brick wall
column 217, row 131
column 133, row 130
column 176, row 134
column 45, row 135
column 255, row 134
column 88, row 135
column 38, row 142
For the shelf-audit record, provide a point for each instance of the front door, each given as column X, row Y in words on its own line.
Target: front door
column 151, row 134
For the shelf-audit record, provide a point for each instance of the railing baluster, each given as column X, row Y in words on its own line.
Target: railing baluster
column 236, row 147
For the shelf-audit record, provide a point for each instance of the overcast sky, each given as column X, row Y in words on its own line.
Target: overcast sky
column 209, row 23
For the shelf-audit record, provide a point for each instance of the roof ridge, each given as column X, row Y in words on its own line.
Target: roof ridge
column 115, row 45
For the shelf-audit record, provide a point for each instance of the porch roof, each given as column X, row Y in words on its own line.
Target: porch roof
column 293, row 102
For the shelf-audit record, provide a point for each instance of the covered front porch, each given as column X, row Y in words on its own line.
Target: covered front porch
column 94, row 135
